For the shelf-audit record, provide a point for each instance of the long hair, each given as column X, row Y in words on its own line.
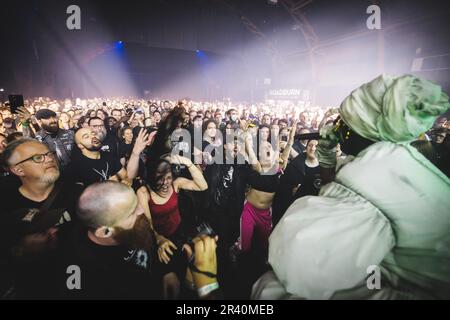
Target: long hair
column 165, row 129
column 156, row 170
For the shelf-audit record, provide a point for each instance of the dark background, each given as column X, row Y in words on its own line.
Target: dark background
column 241, row 44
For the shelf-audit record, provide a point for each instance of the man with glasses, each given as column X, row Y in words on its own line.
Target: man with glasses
column 32, row 215
column 109, row 141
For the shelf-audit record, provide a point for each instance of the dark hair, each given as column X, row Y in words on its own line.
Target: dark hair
column 10, row 148
column 94, row 118
column 122, row 132
column 14, row 136
column 426, row 149
column 166, row 127
column 102, row 111
column 156, row 170
column 206, row 124
column 81, row 121
column 106, row 122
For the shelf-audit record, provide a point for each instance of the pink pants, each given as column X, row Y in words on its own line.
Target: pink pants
column 255, row 221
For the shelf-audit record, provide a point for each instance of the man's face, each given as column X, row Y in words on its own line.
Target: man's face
column 266, row 120
column 198, row 123
column 234, row 115
column 303, row 131
column 50, row 125
column 305, row 119
column 440, row 137
column 86, row 138
column 218, row 118
column 283, row 125
column 99, row 129
column 46, row 172
column 116, row 114
column 6, row 114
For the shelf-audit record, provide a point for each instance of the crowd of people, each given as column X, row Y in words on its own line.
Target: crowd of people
column 163, row 199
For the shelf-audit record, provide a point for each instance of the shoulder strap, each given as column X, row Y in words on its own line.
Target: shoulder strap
column 50, row 199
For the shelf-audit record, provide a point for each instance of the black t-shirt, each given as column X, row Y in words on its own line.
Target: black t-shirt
column 88, row 171
column 125, row 150
column 66, row 198
column 30, row 279
column 108, row 272
column 110, row 144
column 312, row 183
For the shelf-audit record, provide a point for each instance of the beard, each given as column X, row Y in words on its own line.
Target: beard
column 100, row 135
column 138, row 237
column 94, row 148
column 50, row 177
column 50, row 128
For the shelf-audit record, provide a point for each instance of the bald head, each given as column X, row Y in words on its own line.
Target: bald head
column 106, row 204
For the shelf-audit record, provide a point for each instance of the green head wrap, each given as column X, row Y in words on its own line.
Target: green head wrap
column 394, row 109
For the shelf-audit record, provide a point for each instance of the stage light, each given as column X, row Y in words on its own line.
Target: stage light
column 2, row 90
column 197, row 51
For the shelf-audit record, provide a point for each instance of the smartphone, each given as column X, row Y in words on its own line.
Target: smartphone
column 284, row 138
column 15, row 101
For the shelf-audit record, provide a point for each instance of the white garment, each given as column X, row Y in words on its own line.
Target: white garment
column 388, row 207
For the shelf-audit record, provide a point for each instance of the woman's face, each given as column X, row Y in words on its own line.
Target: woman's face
column 101, row 115
column 86, row 123
column 64, row 118
column 311, row 149
column 164, row 183
column 128, row 135
column 211, row 130
column 264, row 134
column 267, row 156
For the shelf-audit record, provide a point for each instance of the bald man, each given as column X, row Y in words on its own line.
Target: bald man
column 93, row 165
column 115, row 249
column 114, row 246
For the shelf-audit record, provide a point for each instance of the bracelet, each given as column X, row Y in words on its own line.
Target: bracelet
column 205, row 290
column 197, row 270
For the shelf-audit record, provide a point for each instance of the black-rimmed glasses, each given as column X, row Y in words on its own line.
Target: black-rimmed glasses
column 38, row 158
